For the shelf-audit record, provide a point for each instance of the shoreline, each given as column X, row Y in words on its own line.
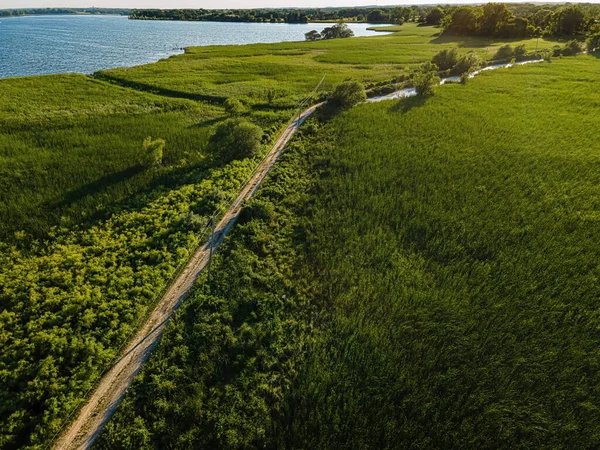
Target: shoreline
column 175, row 51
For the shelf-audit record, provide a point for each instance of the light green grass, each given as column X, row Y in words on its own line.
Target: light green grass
column 294, row 68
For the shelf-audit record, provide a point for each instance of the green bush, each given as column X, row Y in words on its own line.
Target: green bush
column 235, row 139
column 348, row 94
column 520, row 52
column 572, row 48
column 593, row 42
column 233, row 107
column 504, row 52
column 446, row 59
column 425, row 78
column 467, row 63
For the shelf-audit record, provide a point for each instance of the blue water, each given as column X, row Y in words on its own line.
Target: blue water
column 59, row 44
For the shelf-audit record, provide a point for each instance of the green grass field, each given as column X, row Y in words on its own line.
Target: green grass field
column 414, row 274
column 89, row 239
column 294, row 68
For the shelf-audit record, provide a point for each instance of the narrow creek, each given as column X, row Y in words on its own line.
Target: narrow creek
column 411, row 92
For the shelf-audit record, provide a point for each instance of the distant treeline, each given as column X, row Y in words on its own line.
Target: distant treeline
column 492, row 19
column 53, row 11
column 290, row 15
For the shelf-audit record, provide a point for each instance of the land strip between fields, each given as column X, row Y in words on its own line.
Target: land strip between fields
column 92, row 417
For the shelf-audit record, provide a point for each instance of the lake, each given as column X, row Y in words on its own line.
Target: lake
column 37, row 45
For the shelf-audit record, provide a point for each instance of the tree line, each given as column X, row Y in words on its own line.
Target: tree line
column 501, row 20
column 57, row 11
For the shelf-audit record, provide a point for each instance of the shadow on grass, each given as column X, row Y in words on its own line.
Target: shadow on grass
column 405, row 104
column 158, row 90
column 208, row 122
column 96, row 186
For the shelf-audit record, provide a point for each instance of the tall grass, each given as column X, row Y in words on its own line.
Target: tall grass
column 434, row 266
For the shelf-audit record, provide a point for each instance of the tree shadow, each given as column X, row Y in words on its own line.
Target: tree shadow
column 96, row 186
column 405, row 104
column 208, row 122
column 158, row 90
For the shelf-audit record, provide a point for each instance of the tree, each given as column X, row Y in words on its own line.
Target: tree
column 435, row 16
column 376, row 16
column 462, row 21
column 400, row 15
column 424, row 78
column 446, row 59
column 153, row 152
column 496, row 17
column 569, row 19
column 312, row 35
column 235, row 139
column 233, row 107
column 339, row 30
column 348, row 94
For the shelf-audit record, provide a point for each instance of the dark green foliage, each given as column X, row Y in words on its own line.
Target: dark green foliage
column 235, row 139
column 337, row 31
column 501, row 20
column 424, row 78
column 435, row 16
column 221, row 373
column 312, row 36
column 466, row 64
column 568, row 19
column 61, row 11
column 446, row 59
column 572, row 48
column 348, row 94
column 504, row 52
column 593, row 42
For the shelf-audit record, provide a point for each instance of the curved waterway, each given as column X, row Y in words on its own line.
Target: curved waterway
column 37, row 45
column 411, row 92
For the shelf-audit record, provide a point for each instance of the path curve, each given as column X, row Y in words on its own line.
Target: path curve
column 99, row 408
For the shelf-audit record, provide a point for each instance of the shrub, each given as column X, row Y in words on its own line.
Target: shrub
column 504, row 52
column 235, row 139
column 520, row 51
column 424, row 78
column 233, row 107
column 312, row 35
column 466, row 64
column 593, row 42
column 348, row 94
column 446, row 59
column 153, row 152
column 572, row 48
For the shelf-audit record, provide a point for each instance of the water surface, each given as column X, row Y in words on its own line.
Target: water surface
column 37, row 45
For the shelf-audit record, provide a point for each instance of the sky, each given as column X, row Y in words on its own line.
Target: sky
column 214, row 4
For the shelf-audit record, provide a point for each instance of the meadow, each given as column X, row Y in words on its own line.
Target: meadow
column 291, row 69
column 419, row 273
column 90, row 237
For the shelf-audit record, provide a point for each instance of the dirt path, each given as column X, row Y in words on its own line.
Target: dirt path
column 92, row 417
